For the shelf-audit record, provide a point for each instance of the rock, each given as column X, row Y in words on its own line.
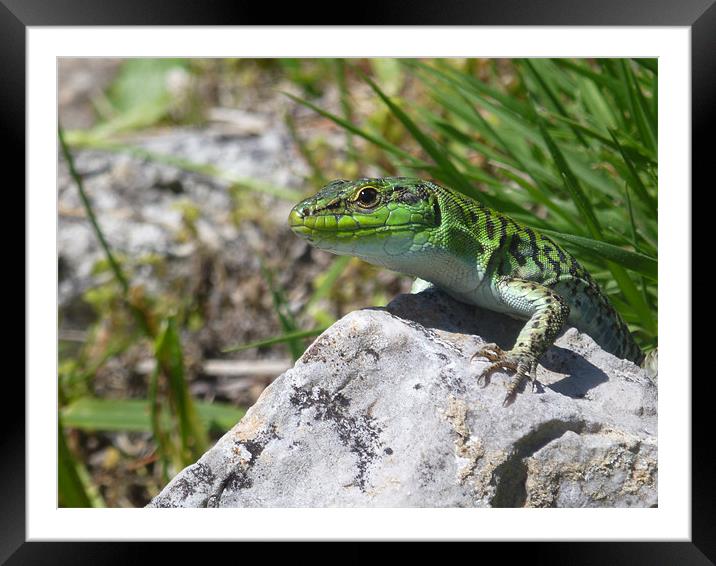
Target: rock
column 383, row 410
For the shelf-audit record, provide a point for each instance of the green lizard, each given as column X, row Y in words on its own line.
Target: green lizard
column 475, row 254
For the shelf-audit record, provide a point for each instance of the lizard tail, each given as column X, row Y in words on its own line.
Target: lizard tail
column 592, row 313
column 608, row 329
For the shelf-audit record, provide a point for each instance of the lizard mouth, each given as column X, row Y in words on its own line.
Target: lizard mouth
column 308, row 225
column 303, row 230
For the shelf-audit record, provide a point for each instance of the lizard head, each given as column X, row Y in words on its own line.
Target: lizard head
column 368, row 217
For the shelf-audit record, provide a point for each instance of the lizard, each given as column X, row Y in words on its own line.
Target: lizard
column 475, row 254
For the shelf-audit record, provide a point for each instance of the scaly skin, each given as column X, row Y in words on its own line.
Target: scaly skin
column 473, row 253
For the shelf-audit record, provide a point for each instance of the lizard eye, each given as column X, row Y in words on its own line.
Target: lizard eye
column 367, row 197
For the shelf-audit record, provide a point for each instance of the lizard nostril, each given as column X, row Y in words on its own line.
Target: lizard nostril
column 296, row 217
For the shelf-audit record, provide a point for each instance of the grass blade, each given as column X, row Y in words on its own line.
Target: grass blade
column 280, row 305
column 552, row 97
column 633, row 178
column 449, row 171
column 345, row 106
column 317, row 177
column 607, row 82
column 134, row 415
column 297, row 334
column 638, row 107
column 633, row 149
column 473, row 87
column 168, row 351
column 390, row 148
column 142, row 316
column 635, row 261
column 328, row 280
column 70, row 487
column 160, row 430
column 651, row 64
column 572, row 184
column 635, row 241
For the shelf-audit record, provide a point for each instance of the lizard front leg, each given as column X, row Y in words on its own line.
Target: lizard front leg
column 546, row 312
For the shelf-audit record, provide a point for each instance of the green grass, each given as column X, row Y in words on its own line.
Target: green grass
column 135, row 415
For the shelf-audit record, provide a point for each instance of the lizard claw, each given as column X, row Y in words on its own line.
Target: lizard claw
column 497, row 356
column 524, row 370
column 484, row 377
column 509, row 399
column 514, row 386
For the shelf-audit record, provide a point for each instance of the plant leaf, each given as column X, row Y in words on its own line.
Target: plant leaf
column 635, row 261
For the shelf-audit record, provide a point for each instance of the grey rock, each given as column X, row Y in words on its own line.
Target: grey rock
column 383, row 410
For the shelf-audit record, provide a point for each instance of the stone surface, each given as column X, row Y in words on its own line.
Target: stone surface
column 383, row 409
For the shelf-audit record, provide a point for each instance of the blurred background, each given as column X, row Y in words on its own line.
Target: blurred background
column 182, row 292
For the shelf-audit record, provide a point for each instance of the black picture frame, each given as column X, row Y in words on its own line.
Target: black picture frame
column 699, row 15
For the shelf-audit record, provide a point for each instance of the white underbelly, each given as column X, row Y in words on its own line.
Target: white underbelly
column 460, row 279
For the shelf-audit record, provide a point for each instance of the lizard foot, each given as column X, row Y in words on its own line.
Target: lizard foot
column 525, row 369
